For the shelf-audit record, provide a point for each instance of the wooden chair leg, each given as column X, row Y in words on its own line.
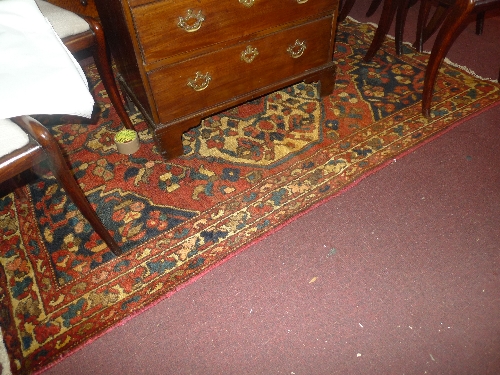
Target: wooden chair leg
column 68, row 182
column 453, row 24
column 400, row 24
column 65, row 177
column 346, row 8
column 373, row 7
column 388, row 12
column 426, row 30
column 436, row 21
column 423, row 14
column 479, row 23
column 102, row 60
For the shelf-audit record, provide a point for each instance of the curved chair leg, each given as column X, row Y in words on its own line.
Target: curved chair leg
column 102, row 60
column 373, row 7
column 436, row 21
column 65, row 177
column 388, row 12
column 459, row 12
column 67, row 181
column 346, row 8
column 426, row 30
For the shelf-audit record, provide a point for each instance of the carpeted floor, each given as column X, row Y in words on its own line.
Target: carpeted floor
column 397, row 275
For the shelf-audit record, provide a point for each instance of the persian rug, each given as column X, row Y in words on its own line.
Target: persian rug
column 244, row 173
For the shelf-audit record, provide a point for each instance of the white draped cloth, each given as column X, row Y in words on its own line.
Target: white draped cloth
column 38, row 75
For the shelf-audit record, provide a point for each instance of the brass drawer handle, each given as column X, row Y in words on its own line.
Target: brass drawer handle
column 249, row 54
column 297, row 49
column 192, row 22
column 200, row 82
column 247, row 3
column 302, row 1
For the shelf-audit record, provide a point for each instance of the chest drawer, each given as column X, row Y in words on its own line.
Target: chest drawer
column 167, row 28
column 239, row 69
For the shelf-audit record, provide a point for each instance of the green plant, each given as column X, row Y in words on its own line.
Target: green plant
column 125, row 135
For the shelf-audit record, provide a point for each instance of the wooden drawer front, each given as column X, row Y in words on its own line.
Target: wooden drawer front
column 160, row 36
column 231, row 76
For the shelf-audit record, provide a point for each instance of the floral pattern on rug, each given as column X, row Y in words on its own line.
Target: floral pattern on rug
column 245, row 172
column 282, row 128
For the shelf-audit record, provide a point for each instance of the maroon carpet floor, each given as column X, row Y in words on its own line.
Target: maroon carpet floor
column 398, row 275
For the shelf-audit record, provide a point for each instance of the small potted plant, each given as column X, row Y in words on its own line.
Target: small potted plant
column 127, row 141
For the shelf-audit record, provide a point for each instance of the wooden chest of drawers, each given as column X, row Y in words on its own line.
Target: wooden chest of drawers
column 183, row 60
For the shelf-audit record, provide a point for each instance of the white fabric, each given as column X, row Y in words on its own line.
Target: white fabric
column 64, row 22
column 13, row 137
column 38, row 75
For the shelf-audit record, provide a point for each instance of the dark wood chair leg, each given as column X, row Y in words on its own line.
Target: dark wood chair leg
column 373, row 7
column 400, row 24
column 102, row 60
column 479, row 23
column 453, row 24
column 423, row 14
column 436, row 21
column 388, row 12
column 426, row 30
column 67, row 181
column 64, row 176
column 346, row 8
